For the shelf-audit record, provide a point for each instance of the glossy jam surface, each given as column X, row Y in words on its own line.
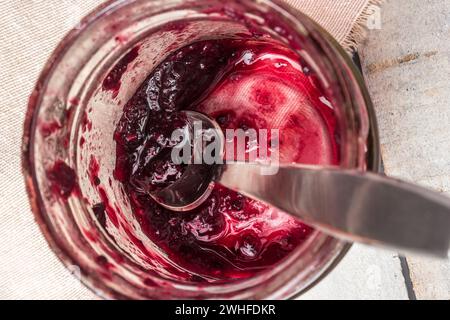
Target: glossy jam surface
column 246, row 84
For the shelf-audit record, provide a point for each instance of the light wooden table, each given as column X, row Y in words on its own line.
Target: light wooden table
column 407, row 68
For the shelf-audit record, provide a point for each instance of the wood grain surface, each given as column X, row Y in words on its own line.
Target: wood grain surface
column 407, row 68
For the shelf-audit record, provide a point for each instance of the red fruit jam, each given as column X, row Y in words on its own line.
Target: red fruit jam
column 242, row 83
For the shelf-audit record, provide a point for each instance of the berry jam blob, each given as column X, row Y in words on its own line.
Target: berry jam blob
column 243, row 83
column 98, row 138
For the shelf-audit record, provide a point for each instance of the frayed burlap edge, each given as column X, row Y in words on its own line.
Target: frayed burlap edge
column 359, row 31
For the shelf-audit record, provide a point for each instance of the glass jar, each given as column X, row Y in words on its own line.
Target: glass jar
column 68, row 98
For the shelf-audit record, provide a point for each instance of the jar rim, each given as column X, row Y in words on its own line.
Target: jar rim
column 30, row 126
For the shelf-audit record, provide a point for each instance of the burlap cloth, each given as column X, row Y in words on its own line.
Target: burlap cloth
column 29, row 31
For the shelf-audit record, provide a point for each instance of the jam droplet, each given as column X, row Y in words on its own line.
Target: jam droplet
column 112, row 81
column 62, row 179
column 100, row 213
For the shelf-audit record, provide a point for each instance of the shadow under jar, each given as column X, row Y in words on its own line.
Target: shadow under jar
column 71, row 140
